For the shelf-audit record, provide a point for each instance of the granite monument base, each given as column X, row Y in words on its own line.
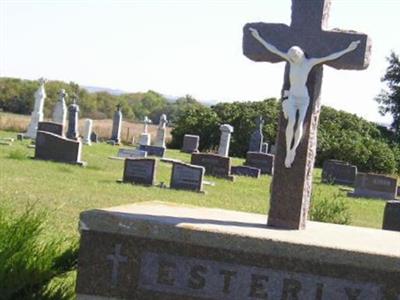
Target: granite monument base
column 164, row 251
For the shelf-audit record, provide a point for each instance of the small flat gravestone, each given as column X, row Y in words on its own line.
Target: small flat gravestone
column 51, row 146
column 56, row 128
column 190, row 143
column 215, row 165
column 339, row 172
column 132, row 153
column 153, row 150
column 263, row 161
column 140, row 170
column 391, row 217
column 375, row 186
column 187, row 177
column 246, row 171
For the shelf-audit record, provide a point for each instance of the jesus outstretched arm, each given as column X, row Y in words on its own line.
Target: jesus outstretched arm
column 352, row 46
column 267, row 45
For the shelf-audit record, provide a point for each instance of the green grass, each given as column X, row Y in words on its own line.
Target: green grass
column 66, row 190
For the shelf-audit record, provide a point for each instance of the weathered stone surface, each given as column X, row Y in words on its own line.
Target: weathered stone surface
column 340, row 172
column 133, row 153
column 51, row 146
column 161, row 132
column 153, row 150
column 262, row 161
column 60, row 109
column 215, row 165
column 391, row 217
column 246, row 171
column 225, row 139
column 291, row 187
column 375, row 186
column 187, row 177
column 37, row 113
column 87, row 132
column 257, row 137
column 56, row 128
column 190, row 143
column 166, row 251
column 73, row 119
column 117, row 126
column 140, row 170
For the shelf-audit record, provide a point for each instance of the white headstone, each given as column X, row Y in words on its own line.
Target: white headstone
column 37, row 113
column 145, row 137
column 225, row 139
column 161, row 131
column 87, row 132
column 60, row 109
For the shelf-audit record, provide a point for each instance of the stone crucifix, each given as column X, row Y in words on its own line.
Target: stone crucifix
column 116, row 259
column 305, row 45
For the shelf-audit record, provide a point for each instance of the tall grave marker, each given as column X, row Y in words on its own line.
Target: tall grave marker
column 87, row 132
column 296, row 139
column 161, row 131
column 257, row 137
column 60, row 109
column 117, row 125
column 37, row 113
column 145, row 137
column 73, row 119
column 225, row 140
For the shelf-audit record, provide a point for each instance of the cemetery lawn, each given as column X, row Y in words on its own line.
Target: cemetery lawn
column 66, row 190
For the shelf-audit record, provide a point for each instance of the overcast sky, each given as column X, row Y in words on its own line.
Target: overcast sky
column 182, row 47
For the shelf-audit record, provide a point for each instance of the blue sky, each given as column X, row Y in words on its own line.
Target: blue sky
column 182, row 47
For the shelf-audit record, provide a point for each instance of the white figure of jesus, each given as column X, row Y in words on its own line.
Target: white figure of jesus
column 298, row 97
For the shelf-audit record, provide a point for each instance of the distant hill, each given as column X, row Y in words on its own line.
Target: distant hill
column 96, row 89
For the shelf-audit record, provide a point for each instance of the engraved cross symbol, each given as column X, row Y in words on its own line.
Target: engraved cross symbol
column 116, row 259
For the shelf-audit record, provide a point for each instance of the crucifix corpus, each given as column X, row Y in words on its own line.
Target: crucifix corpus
column 305, row 45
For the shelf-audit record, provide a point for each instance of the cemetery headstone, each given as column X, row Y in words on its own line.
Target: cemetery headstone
column 73, row 119
column 140, row 170
column 262, row 161
column 257, row 137
column 51, row 146
column 391, row 216
column 190, row 143
column 339, row 172
column 53, row 127
column 225, row 140
column 37, row 113
column 375, row 186
column 296, row 137
column 246, row 171
column 153, row 150
column 117, row 126
column 133, row 153
column 273, row 149
column 87, row 132
column 215, row 165
column 93, row 137
column 264, row 148
column 187, row 177
column 162, row 251
column 145, row 137
column 161, row 132
column 60, row 109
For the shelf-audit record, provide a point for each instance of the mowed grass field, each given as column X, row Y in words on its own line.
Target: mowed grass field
column 66, row 190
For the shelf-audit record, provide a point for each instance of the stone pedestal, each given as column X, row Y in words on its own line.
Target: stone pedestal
column 168, row 251
column 225, row 139
column 145, row 139
column 87, row 132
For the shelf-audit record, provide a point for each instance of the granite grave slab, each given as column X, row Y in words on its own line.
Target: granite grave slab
column 187, row 177
column 339, row 172
column 190, row 143
column 153, row 150
column 215, row 165
column 391, row 216
column 56, row 128
column 140, row 170
column 262, row 161
column 246, row 171
column 375, row 186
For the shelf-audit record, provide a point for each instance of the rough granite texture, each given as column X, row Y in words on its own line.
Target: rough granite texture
column 56, row 128
column 291, row 187
column 391, row 217
column 339, row 172
column 167, row 251
column 215, row 165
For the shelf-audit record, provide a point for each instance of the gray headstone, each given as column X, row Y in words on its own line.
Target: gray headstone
column 133, row 153
column 190, row 143
column 53, row 127
column 153, row 150
column 273, row 149
column 264, row 148
column 140, row 170
column 375, row 186
column 187, row 177
column 391, row 216
column 246, row 171
column 73, row 111
column 93, row 137
column 51, row 146
column 257, row 137
column 215, row 165
column 161, row 132
column 262, row 161
column 340, row 172
column 117, row 126
column 225, row 139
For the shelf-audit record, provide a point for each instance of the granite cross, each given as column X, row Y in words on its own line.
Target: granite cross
column 116, row 258
column 291, row 186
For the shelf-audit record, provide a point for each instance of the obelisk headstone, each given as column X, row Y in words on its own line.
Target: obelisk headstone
column 37, row 113
column 87, row 132
column 292, row 178
column 145, row 137
column 161, row 132
column 60, row 109
column 117, row 126
column 257, row 137
column 225, row 140
column 73, row 119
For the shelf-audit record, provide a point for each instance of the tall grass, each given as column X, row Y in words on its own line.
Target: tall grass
column 29, row 262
